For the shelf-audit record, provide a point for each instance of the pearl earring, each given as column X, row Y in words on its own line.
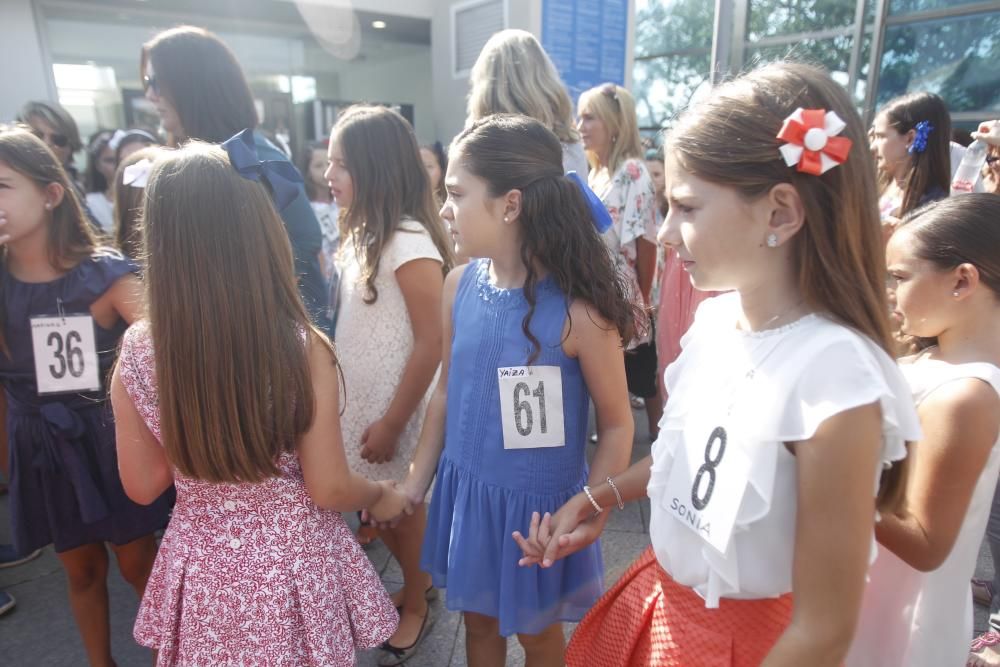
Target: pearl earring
column 505, row 219
column 48, row 206
column 772, row 240
column 955, row 293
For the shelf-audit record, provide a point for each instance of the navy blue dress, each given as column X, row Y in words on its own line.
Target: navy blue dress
column 64, row 483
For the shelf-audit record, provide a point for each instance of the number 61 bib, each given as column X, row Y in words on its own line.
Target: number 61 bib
column 531, row 407
column 65, row 354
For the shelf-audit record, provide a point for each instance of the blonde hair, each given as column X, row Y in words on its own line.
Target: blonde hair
column 615, row 107
column 513, row 74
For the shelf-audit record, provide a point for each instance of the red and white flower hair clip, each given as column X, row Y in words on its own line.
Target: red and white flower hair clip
column 813, row 145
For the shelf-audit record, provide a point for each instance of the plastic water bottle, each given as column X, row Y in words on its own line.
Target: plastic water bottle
column 969, row 168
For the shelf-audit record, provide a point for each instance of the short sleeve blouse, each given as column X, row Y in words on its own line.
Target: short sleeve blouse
column 765, row 388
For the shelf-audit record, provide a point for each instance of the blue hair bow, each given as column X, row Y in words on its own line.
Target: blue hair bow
column 281, row 175
column 919, row 144
column 598, row 211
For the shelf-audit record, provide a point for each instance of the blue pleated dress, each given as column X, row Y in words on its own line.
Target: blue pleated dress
column 484, row 492
column 64, row 483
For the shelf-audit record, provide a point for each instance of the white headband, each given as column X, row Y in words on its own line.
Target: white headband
column 137, row 175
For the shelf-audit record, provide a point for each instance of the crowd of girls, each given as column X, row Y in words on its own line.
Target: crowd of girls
column 825, row 451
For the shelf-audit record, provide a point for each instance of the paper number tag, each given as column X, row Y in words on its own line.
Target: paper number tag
column 65, row 354
column 706, row 485
column 531, row 407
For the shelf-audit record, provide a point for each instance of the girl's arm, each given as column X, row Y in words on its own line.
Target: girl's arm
column 329, row 480
column 127, row 298
column 142, row 463
column 425, row 459
column 421, row 282
column 596, row 343
column 836, row 469
column 960, row 422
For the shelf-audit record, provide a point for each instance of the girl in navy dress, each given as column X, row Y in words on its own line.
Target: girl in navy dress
column 533, row 333
column 65, row 305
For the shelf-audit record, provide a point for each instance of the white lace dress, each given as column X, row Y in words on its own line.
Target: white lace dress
column 374, row 342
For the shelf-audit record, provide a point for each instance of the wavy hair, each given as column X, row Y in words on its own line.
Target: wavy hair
column 513, row 74
column 512, row 152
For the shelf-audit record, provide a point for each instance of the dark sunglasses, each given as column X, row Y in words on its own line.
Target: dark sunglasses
column 992, row 159
column 149, row 82
column 60, row 140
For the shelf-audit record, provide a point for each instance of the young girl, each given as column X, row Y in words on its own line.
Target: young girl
column 131, row 179
column 532, row 333
column 234, row 394
column 392, row 263
column 99, row 177
column 65, row 305
column 608, row 125
column 436, row 163
column 313, row 168
column 912, row 151
column 784, row 404
column 946, row 278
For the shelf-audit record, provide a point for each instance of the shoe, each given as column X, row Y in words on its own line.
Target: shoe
column 430, row 595
column 982, row 592
column 9, row 557
column 397, row 656
column 7, row 602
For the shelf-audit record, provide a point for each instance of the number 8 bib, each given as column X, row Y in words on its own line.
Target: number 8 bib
column 65, row 354
column 531, row 407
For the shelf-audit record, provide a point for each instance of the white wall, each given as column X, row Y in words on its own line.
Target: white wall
column 25, row 75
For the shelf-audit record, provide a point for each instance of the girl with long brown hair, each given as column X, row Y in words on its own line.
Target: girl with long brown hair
column 392, row 262
column 228, row 390
column 784, row 402
column 65, row 305
column 532, row 331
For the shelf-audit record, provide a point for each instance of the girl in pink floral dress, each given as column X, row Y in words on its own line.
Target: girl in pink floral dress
column 229, row 392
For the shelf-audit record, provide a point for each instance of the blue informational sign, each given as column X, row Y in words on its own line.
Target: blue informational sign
column 586, row 40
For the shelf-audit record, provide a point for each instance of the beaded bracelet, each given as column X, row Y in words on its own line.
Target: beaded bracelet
column 597, row 508
column 621, row 503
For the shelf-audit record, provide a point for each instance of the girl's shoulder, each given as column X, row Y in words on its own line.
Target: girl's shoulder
column 94, row 274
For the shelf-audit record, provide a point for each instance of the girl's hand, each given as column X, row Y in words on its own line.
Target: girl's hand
column 4, row 236
column 413, row 490
column 379, row 442
column 552, row 537
column 988, row 132
column 390, row 506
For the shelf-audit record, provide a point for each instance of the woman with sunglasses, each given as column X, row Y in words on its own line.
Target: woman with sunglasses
column 200, row 92
column 610, row 131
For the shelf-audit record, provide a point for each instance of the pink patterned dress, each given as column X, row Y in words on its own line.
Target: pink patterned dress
column 252, row 574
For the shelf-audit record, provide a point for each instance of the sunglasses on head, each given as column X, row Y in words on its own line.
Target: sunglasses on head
column 149, row 83
column 60, row 140
column 611, row 90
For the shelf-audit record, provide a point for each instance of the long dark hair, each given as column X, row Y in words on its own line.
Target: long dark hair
column 200, row 76
column 70, row 238
column 390, row 183
column 931, row 167
column 93, row 179
column 513, row 152
column 303, row 165
column 437, row 150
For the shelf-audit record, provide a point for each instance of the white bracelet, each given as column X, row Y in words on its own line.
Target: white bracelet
column 597, row 508
column 621, row 503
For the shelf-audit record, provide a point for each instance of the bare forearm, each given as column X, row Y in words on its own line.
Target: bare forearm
column 614, row 449
column 417, row 377
column 631, row 484
column 425, row 459
column 809, row 646
column 903, row 535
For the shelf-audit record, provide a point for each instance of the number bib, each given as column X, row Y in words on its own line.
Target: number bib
column 707, row 482
column 531, row 407
column 65, row 354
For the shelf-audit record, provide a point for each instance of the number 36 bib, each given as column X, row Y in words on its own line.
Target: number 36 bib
column 65, row 354
column 705, row 488
column 531, row 406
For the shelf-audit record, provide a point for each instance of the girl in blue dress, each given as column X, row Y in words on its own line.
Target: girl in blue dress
column 64, row 305
column 533, row 333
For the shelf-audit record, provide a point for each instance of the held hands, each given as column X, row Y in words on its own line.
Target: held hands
column 389, row 508
column 555, row 536
column 379, row 442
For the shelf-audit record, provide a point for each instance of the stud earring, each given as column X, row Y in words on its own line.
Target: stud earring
column 506, row 219
column 955, row 293
column 772, row 240
column 48, row 206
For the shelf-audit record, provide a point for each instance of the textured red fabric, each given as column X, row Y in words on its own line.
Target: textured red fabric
column 647, row 618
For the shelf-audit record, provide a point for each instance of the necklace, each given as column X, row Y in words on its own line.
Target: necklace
column 777, row 317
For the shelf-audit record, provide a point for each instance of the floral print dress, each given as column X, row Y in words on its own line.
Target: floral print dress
column 630, row 198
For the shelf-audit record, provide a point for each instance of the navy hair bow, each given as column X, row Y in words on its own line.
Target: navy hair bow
column 281, row 175
column 598, row 211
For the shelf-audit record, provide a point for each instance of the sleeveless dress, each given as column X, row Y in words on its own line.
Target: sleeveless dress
column 716, row 587
column 484, row 492
column 64, row 484
column 252, row 574
column 924, row 619
column 374, row 342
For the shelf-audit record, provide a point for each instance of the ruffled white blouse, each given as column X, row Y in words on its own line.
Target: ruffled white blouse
column 722, row 484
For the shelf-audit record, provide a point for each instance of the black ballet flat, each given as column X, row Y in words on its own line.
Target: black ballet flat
column 397, row 656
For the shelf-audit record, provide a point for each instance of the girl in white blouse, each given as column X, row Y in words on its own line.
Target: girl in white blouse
column 784, row 409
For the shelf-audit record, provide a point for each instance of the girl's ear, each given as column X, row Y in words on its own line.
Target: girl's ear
column 787, row 212
column 512, row 205
column 54, row 193
column 967, row 278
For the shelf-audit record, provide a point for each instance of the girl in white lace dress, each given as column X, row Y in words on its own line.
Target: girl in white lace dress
column 392, row 260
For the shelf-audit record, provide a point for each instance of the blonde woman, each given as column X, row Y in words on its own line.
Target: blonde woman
column 610, row 132
column 513, row 74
